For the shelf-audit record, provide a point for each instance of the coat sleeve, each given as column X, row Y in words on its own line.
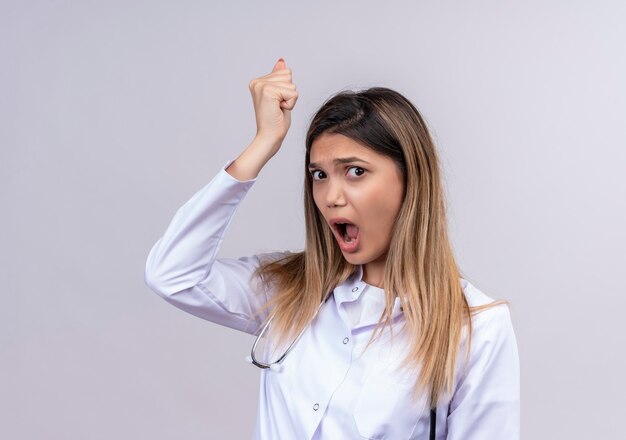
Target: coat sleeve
column 182, row 266
column 486, row 403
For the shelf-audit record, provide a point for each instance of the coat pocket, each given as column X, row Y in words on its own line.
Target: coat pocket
column 385, row 408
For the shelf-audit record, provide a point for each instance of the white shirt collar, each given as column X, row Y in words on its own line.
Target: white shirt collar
column 371, row 302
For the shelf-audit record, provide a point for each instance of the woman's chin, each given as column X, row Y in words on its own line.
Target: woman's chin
column 354, row 258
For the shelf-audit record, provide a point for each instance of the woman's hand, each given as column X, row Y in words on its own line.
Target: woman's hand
column 274, row 96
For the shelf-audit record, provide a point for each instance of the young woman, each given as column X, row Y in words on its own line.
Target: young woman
column 382, row 336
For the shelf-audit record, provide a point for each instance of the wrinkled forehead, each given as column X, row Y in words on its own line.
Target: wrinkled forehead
column 329, row 147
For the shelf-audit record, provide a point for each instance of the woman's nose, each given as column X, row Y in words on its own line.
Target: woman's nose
column 335, row 195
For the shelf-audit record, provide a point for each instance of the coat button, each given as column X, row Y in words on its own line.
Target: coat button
column 345, row 340
column 316, row 407
column 355, row 289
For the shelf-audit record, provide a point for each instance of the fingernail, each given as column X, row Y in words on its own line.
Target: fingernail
column 280, row 59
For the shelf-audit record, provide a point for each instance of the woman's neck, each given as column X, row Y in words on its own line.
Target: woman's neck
column 373, row 273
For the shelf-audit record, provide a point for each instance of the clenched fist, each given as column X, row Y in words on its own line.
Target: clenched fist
column 274, row 96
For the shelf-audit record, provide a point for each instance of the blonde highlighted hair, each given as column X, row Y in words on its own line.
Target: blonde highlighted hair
column 420, row 267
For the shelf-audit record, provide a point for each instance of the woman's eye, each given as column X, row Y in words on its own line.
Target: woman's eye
column 316, row 171
column 358, row 169
column 359, row 172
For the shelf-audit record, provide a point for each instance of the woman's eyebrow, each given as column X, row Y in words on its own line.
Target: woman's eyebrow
column 340, row 160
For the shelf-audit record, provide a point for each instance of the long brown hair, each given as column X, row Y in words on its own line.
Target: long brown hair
column 420, row 267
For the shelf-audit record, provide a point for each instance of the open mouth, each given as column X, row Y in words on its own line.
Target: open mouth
column 347, row 231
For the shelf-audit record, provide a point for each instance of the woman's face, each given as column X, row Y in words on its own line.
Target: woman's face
column 356, row 185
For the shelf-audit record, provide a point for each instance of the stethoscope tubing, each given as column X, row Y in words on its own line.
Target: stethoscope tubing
column 252, row 357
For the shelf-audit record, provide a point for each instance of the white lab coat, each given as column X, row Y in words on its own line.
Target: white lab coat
column 328, row 388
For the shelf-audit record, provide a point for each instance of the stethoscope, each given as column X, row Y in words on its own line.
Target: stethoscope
column 276, row 366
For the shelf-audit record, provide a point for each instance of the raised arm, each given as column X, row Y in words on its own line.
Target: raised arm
column 182, row 266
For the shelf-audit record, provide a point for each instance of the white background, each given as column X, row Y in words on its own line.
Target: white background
column 112, row 114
